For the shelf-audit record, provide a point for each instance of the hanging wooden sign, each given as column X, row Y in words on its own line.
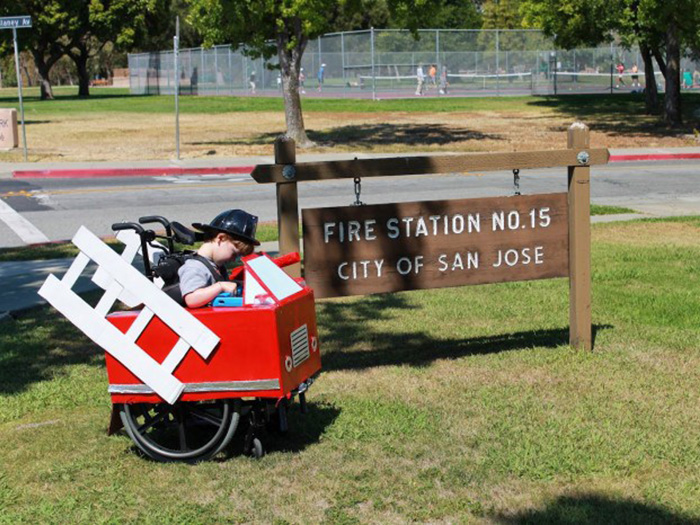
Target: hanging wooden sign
column 359, row 250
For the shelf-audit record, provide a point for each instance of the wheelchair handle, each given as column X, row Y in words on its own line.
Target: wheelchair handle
column 166, row 224
column 118, row 226
column 144, row 236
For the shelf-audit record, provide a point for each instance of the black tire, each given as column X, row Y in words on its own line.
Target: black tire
column 185, row 431
column 256, row 449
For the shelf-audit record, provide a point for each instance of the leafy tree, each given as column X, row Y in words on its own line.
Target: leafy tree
column 661, row 28
column 79, row 29
column 678, row 21
column 501, row 14
column 458, row 14
column 49, row 19
column 371, row 13
column 159, row 26
column 91, row 25
column 284, row 27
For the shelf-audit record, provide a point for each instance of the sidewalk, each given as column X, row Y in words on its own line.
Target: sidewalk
column 244, row 165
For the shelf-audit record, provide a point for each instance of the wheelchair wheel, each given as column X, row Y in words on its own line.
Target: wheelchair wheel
column 185, row 431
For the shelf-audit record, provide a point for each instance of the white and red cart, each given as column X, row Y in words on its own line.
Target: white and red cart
column 250, row 361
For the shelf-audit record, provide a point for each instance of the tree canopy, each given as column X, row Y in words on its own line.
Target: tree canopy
column 79, row 29
column 661, row 28
column 284, row 27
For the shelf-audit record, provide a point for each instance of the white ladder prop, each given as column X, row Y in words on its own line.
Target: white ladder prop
column 132, row 247
column 123, row 280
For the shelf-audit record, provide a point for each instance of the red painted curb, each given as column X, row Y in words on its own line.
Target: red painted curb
column 128, row 172
column 657, row 156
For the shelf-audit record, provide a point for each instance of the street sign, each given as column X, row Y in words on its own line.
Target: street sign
column 15, row 22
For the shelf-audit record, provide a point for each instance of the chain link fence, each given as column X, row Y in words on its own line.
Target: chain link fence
column 390, row 63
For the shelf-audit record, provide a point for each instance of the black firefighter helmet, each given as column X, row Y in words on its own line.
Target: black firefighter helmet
column 238, row 224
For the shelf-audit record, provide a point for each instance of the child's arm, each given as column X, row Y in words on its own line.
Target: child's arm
column 205, row 295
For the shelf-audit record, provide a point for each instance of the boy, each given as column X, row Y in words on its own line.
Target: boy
column 231, row 234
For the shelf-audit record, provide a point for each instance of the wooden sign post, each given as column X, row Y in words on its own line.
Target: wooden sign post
column 402, row 246
column 580, row 332
column 287, row 203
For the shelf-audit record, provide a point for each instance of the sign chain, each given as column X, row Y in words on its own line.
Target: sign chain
column 358, row 191
column 516, row 181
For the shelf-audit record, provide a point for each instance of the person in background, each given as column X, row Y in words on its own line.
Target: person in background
column 635, row 77
column 252, row 82
column 443, row 81
column 302, row 79
column 620, row 71
column 420, row 78
column 432, row 75
column 321, row 76
column 687, row 79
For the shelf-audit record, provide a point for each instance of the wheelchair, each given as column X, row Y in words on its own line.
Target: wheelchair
column 267, row 357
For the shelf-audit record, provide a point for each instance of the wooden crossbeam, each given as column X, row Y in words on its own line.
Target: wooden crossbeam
column 468, row 163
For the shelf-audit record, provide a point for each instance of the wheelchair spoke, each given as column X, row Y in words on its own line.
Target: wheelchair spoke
column 151, row 420
column 204, row 416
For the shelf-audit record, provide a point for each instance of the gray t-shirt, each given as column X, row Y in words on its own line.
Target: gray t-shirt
column 194, row 275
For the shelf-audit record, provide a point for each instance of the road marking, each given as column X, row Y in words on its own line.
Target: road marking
column 24, row 229
column 21, row 193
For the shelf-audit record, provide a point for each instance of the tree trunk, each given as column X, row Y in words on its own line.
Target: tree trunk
column 659, row 60
column 290, row 62
column 672, row 100
column 43, row 68
column 30, row 83
column 80, row 59
column 651, row 92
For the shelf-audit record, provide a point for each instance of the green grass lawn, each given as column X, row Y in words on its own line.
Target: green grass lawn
column 119, row 100
column 457, row 405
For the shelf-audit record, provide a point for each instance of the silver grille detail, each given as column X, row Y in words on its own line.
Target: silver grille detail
column 300, row 345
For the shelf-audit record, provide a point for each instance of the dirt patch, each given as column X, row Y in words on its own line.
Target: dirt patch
column 646, row 234
column 123, row 136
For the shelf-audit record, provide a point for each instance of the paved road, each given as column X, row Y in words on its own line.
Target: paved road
column 55, row 208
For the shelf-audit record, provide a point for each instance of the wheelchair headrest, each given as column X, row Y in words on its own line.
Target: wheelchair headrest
column 182, row 234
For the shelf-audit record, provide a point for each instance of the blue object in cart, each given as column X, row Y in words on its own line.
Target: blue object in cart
column 225, row 299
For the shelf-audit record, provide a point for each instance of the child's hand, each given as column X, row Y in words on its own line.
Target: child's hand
column 228, row 287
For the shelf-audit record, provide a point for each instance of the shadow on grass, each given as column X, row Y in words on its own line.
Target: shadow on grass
column 374, row 135
column 37, row 346
column 620, row 114
column 40, row 342
column 346, row 337
column 304, row 429
column 594, row 509
column 387, row 134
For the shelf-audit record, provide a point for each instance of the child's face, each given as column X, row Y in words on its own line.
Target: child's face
column 226, row 249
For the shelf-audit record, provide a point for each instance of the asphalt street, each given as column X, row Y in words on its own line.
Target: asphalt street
column 55, row 208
